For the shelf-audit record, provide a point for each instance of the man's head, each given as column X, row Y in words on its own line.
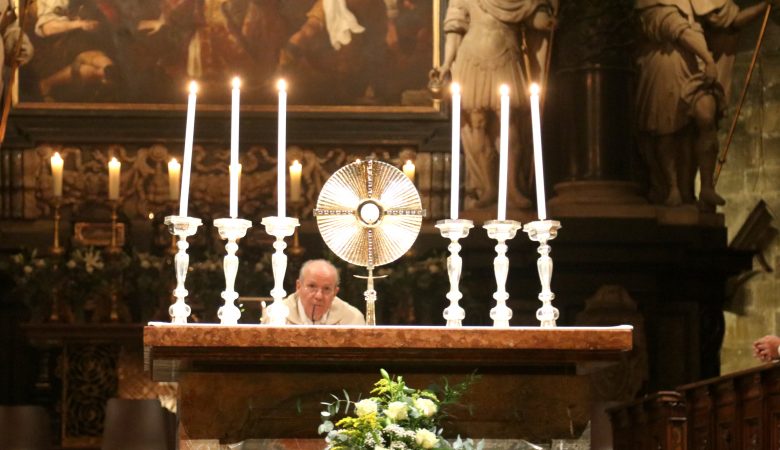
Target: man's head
column 317, row 286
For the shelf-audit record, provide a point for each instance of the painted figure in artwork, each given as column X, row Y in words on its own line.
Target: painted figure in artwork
column 686, row 55
column 10, row 33
column 490, row 43
column 75, row 51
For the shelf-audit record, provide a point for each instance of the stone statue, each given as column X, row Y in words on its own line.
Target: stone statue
column 490, row 43
column 685, row 61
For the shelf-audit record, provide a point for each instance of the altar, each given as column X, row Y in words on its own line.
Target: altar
column 264, row 382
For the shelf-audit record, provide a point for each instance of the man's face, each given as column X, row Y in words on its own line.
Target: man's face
column 317, row 289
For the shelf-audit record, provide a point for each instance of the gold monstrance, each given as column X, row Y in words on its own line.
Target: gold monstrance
column 369, row 214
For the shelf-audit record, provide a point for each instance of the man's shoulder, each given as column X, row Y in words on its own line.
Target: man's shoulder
column 346, row 314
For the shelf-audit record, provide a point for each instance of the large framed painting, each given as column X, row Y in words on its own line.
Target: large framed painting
column 361, row 55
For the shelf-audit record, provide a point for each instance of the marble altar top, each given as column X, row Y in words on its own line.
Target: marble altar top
column 195, row 346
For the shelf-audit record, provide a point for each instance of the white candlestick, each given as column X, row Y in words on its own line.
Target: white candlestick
column 409, row 169
column 188, row 138
column 455, row 158
column 295, row 181
column 503, row 153
column 538, row 165
column 281, row 149
column 56, row 173
column 234, row 165
column 235, row 178
column 114, row 174
column 174, row 176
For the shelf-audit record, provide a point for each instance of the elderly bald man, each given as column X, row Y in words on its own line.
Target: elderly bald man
column 314, row 301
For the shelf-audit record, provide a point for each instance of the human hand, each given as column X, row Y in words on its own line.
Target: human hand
column 710, row 72
column 87, row 25
column 436, row 78
column 150, row 26
column 544, row 21
column 391, row 37
column 765, row 349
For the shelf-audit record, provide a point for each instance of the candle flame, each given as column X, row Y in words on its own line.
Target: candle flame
column 193, row 87
column 281, row 84
column 173, row 163
column 114, row 161
column 455, row 88
column 236, row 83
column 535, row 89
column 56, row 158
column 504, row 89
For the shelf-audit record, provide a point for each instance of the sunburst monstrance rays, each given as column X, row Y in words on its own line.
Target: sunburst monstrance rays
column 369, row 213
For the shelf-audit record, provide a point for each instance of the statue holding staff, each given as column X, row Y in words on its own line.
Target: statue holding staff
column 685, row 62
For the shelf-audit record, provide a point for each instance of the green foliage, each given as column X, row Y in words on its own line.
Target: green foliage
column 395, row 417
column 83, row 278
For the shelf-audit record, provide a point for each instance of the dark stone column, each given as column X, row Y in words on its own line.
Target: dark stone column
column 590, row 101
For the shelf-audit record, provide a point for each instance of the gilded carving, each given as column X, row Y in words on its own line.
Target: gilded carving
column 144, row 187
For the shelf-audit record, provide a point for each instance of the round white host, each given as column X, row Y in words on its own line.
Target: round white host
column 369, row 212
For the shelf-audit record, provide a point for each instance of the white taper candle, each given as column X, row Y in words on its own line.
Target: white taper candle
column 503, row 152
column 282, row 149
column 56, row 173
column 189, row 131
column 114, row 177
column 174, row 177
column 233, row 168
column 455, row 157
column 538, row 164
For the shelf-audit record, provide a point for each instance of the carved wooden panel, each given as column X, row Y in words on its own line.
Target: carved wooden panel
column 656, row 422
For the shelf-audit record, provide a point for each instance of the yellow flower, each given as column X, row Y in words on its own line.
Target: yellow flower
column 426, row 406
column 396, row 411
column 425, row 438
column 365, row 406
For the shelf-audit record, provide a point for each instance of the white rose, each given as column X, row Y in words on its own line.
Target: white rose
column 71, row 264
column 425, row 438
column 426, row 406
column 365, row 406
column 396, row 411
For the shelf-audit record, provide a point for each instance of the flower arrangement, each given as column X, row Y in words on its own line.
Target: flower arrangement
column 396, row 417
column 32, row 277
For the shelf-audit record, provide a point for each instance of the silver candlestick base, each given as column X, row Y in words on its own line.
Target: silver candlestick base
column 501, row 231
column 542, row 231
column 182, row 227
column 232, row 230
column 280, row 228
column 454, row 230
